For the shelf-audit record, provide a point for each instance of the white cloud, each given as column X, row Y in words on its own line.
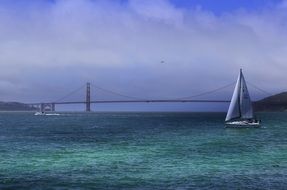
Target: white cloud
column 157, row 10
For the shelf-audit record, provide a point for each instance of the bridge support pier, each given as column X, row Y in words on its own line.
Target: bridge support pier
column 88, row 97
column 46, row 107
column 42, row 107
column 53, row 107
column 38, row 107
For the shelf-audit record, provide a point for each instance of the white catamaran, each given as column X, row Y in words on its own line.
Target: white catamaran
column 240, row 112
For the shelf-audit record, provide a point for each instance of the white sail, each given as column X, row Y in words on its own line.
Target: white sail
column 245, row 101
column 234, row 107
column 241, row 105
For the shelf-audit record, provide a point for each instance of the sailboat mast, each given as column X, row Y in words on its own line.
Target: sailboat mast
column 238, row 98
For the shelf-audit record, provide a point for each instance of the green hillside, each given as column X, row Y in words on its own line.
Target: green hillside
column 15, row 106
column 276, row 102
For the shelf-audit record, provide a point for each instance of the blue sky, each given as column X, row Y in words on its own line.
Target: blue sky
column 49, row 48
column 225, row 6
column 216, row 6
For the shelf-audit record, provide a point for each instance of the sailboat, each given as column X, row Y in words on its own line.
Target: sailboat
column 240, row 113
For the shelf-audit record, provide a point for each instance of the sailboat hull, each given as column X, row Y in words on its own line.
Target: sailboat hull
column 242, row 124
column 43, row 113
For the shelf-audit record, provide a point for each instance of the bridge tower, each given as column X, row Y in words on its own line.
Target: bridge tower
column 88, row 97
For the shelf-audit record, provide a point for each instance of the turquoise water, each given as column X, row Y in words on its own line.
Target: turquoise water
column 141, row 151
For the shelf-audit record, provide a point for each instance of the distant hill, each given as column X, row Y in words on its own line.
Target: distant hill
column 276, row 102
column 15, row 106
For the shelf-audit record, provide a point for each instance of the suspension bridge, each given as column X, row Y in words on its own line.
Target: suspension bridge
column 51, row 106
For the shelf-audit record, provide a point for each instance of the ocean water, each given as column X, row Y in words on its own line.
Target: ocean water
column 141, row 151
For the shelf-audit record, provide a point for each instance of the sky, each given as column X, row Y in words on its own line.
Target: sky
column 142, row 48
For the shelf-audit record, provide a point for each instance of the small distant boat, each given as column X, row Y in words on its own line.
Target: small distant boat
column 44, row 113
column 240, row 113
column 39, row 113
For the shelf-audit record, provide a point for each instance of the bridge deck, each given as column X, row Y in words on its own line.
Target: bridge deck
column 135, row 101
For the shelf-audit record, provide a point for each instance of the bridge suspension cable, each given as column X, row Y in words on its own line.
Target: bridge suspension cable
column 181, row 98
column 207, row 92
column 71, row 93
column 143, row 99
column 116, row 93
column 259, row 89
